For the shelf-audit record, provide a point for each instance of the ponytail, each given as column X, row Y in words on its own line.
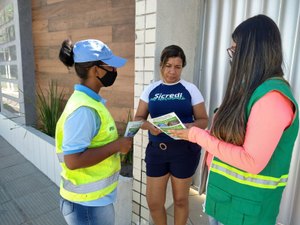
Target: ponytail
column 66, row 53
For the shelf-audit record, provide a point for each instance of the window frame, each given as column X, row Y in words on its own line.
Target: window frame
column 22, row 21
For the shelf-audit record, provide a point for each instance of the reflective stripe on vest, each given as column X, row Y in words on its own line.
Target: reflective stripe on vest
column 249, row 179
column 90, row 187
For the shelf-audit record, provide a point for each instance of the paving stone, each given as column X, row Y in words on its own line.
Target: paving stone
column 10, row 214
column 30, row 184
column 21, row 170
column 27, row 196
column 6, row 149
column 51, row 218
column 11, row 160
column 4, row 197
column 39, row 203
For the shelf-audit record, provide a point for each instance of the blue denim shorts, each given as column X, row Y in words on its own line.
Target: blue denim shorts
column 76, row 214
column 179, row 158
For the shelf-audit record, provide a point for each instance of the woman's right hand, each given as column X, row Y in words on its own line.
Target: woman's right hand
column 148, row 126
column 125, row 144
column 154, row 131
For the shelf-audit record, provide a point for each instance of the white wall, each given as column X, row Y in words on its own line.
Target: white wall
column 178, row 24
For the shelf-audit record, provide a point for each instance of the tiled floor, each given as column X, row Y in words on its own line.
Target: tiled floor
column 196, row 216
column 28, row 197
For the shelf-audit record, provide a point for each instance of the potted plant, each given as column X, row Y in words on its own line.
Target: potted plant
column 50, row 107
column 127, row 159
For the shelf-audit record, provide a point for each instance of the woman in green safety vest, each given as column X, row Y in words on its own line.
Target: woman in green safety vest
column 251, row 140
column 87, row 142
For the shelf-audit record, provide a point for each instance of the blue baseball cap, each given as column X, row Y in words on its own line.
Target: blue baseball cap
column 93, row 50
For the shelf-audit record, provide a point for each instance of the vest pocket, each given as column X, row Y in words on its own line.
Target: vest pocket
column 230, row 209
column 217, row 203
column 246, row 207
column 246, row 211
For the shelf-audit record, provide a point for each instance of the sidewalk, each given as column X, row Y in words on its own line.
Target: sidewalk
column 196, row 216
column 27, row 196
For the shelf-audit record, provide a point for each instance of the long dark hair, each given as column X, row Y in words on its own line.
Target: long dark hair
column 257, row 57
column 66, row 56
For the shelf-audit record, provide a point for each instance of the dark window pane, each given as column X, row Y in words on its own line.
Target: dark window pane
column 6, row 14
column 7, row 34
column 9, row 13
column 9, row 72
column 8, row 54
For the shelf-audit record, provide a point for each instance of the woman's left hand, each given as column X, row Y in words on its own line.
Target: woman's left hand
column 183, row 133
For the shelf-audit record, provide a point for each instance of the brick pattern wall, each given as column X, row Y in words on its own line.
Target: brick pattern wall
column 111, row 21
column 145, row 28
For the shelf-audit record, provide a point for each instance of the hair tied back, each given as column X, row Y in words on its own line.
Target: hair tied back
column 66, row 53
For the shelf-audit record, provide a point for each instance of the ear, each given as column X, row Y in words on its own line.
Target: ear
column 97, row 71
column 92, row 72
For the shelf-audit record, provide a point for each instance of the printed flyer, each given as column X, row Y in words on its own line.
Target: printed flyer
column 167, row 122
column 132, row 128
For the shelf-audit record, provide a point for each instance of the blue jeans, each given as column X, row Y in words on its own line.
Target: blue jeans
column 213, row 221
column 76, row 214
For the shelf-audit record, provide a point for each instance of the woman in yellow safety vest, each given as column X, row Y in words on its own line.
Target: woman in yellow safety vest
column 251, row 140
column 87, row 142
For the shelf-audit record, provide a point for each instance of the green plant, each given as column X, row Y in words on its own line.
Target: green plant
column 128, row 158
column 49, row 106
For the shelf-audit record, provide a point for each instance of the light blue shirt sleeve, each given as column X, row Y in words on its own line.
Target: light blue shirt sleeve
column 79, row 130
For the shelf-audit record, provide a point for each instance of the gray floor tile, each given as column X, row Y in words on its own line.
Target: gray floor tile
column 30, row 184
column 27, row 196
column 6, row 149
column 4, row 197
column 10, row 214
column 38, row 203
column 51, row 218
column 21, row 170
column 11, row 160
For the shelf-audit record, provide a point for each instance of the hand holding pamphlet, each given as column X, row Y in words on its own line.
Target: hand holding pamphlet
column 167, row 122
column 132, row 128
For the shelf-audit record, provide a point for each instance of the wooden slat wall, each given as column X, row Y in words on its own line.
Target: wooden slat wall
column 111, row 21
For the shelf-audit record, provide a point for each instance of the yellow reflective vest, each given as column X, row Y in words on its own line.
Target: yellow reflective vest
column 236, row 197
column 94, row 182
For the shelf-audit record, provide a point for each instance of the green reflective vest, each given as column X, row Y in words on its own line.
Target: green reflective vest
column 90, row 183
column 236, row 197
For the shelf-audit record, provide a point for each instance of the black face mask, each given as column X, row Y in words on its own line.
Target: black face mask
column 109, row 78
